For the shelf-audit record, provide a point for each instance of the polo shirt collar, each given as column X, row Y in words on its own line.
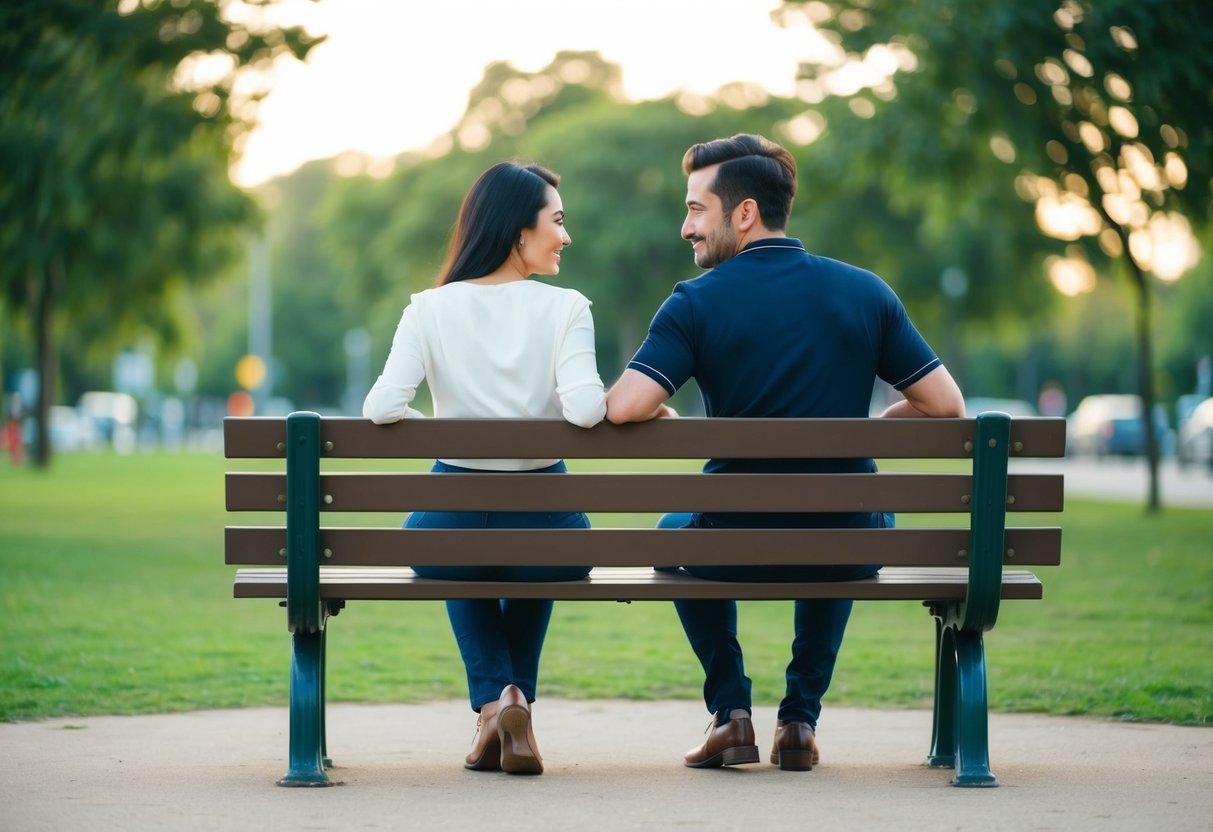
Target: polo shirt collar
column 774, row 242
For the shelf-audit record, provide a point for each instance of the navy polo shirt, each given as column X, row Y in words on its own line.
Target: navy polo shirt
column 777, row 332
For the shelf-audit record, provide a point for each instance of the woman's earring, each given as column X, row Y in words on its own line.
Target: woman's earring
column 521, row 242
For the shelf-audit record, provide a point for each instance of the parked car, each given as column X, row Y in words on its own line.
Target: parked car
column 115, row 416
column 1110, row 425
column 1194, row 442
column 70, row 431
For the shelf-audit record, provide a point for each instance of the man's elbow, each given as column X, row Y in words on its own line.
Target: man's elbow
column 620, row 412
column 617, row 414
column 947, row 407
column 954, row 405
column 941, row 408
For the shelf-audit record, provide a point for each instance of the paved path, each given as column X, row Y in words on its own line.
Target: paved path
column 1127, row 480
column 610, row 765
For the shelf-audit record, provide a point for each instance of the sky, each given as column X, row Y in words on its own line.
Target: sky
column 394, row 75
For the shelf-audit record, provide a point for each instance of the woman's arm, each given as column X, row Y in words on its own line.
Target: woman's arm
column 578, row 385
column 389, row 398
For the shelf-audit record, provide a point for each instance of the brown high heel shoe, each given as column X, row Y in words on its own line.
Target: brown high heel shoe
column 486, row 745
column 519, row 751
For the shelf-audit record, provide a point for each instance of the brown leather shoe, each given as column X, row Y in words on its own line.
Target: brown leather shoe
column 486, row 746
column 795, row 747
column 519, row 751
column 730, row 744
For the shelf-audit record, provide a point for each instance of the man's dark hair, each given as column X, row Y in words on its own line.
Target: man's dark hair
column 751, row 167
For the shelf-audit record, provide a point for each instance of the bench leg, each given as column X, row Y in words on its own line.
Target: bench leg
column 325, row 759
column 307, row 712
column 943, row 729
column 972, row 716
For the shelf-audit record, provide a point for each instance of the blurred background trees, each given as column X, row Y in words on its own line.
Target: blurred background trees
column 1011, row 169
column 1098, row 115
column 116, row 129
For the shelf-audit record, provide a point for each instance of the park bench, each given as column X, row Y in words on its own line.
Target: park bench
column 958, row 569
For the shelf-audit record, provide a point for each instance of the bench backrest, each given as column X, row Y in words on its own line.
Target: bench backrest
column 311, row 486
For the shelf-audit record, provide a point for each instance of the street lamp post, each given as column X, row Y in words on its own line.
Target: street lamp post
column 357, row 343
column 954, row 284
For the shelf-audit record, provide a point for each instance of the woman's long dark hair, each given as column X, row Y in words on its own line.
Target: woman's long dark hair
column 505, row 199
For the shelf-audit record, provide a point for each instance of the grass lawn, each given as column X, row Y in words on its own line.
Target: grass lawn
column 116, row 601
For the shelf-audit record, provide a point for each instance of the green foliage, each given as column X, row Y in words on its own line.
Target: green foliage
column 1054, row 79
column 1183, row 324
column 117, row 601
column 115, row 194
column 1099, row 103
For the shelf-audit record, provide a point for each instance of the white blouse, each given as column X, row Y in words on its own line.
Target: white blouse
column 518, row 349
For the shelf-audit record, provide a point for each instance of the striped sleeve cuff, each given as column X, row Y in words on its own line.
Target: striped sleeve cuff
column 917, row 374
column 653, row 373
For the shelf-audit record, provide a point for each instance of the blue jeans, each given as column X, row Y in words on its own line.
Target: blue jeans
column 499, row 639
column 818, row 626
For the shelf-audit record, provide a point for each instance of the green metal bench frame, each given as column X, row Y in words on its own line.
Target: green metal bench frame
column 958, row 573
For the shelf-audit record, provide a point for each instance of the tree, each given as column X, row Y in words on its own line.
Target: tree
column 1104, row 110
column 117, row 123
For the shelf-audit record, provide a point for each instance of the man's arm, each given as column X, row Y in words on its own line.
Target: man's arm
column 935, row 394
column 636, row 398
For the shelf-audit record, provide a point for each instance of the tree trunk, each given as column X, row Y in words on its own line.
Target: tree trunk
column 44, row 358
column 1145, row 360
column 1145, row 378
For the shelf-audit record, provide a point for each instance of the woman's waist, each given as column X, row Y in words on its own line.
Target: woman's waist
column 500, row 466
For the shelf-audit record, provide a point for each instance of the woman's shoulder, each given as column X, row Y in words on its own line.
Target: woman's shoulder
column 424, row 295
column 436, row 298
column 538, row 294
column 558, row 294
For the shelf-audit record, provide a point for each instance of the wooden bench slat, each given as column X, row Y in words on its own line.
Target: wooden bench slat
column 690, row 438
column 262, row 545
column 629, row 584
column 908, row 492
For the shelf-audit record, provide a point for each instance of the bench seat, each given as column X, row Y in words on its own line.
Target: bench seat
column 630, row 583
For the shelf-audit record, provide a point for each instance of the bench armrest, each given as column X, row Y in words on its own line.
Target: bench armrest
column 987, row 524
column 304, row 612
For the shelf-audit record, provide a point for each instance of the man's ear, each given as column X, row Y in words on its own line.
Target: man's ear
column 745, row 215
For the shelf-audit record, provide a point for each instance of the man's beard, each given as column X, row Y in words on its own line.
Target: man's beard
column 718, row 247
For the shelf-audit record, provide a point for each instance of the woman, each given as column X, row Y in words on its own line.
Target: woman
column 491, row 343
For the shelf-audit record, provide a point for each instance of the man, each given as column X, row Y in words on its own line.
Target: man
column 772, row 331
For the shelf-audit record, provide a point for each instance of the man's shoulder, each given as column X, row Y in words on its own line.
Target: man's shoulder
column 842, row 267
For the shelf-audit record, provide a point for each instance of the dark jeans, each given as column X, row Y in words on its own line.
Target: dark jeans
column 819, row 624
column 500, row 640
